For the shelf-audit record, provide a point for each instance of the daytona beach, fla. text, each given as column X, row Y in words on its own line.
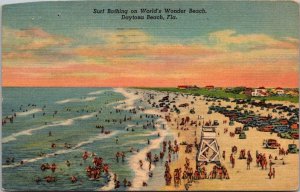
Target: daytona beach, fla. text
column 141, row 17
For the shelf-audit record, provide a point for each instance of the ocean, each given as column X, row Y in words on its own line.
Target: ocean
column 71, row 115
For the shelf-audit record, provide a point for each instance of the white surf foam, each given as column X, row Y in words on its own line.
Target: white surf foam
column 128, row 103
column 98, row 137
column 111, row 185
column 64, row 151
column 26, row 113
column 115, row 102
column 76, row 100
column 96, row 92
column 67, row 122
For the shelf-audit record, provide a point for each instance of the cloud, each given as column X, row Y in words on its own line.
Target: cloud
column 132, row 57
column 33, row 46
column 229, row 39
column 30, row 39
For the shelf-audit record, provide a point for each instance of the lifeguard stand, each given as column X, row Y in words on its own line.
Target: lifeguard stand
column 209, row 149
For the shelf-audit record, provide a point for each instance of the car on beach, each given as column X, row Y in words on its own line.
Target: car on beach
column 281, row 128
column 242, row 135
column 215, row 123
column 268, row 128
column 192, row 111
column 271, row 144
column 165, row 109
column 183, row 105
column 295, row 135
column 284, row 135
column 246, row 128
column 292, row 148
column 238, row 130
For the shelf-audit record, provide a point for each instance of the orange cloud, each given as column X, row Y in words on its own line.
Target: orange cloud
column 30, row 39
column 135, row 58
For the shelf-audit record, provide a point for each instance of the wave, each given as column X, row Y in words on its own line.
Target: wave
column 111, row 185
column 67, row 122
column 128, row 103
column 130, row 126
column 32, row 111
column 115, row 102
column 76, row 100
column 98, row 137
column 96, row 92
column 64, row 151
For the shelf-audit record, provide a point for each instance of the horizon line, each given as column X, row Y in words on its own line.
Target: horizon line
column 136, row 87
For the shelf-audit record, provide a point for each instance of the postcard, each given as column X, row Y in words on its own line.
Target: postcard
column 150, row 96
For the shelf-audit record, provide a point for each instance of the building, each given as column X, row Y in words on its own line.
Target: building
column 187, row 87
column 260, row 92
column 182, row 86
column 292, row 92
column 248, row 91
column 279, row 91
column 209, row 87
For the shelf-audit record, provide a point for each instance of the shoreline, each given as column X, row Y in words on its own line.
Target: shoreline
column 141, row 175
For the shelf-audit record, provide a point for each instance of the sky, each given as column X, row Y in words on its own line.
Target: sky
column 64, row 44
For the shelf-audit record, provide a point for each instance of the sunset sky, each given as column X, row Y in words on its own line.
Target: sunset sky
column 235, row 44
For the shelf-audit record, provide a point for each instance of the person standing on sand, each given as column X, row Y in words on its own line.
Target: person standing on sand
column 141, row 164
column 169, row 157
column 248, row 163
column 273, row 173
column 150, row 165
column 232, row 160
column 270, row 174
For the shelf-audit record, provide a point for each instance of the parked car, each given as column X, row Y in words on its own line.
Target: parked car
column 238, row 130
column 192, row 111
column 281, row 128
column 246, row 128
column 164, row 109
column 272, row 144
column 215, row 123
column 268, row 128
column 183, row 105
column 292, row 148
column 295, row 135
column 285, row 135
column 242, row 135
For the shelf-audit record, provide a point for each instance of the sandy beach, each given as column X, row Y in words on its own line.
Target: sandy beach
column 240, row 178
